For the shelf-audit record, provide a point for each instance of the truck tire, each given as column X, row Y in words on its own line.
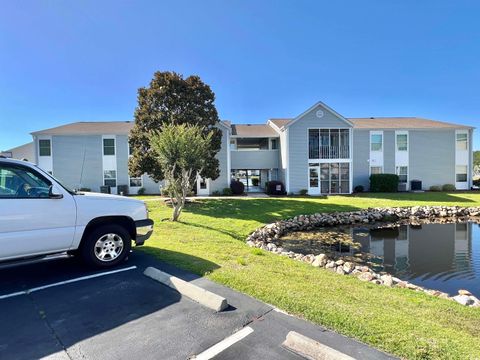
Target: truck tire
column 105, row 246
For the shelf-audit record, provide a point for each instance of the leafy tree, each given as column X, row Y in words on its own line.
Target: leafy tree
column 476, row 158
column 172, row 99
column 181, row 151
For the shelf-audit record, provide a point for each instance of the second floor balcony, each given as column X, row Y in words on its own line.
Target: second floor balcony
column 329, row 143
column 254, row 153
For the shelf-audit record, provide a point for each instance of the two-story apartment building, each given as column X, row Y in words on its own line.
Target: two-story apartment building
column 319, row 150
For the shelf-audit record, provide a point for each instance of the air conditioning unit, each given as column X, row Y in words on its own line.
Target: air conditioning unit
column 402, row 187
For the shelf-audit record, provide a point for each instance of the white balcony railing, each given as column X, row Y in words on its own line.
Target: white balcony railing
column 334, row 152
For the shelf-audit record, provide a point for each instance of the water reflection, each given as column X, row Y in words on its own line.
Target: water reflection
column 438, row 256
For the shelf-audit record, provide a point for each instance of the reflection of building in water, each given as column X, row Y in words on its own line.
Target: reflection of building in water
column 425, row 250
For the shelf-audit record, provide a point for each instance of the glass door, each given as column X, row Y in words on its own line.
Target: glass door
column 313, row 180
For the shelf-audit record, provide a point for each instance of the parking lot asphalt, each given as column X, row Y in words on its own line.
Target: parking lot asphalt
column 77, row 313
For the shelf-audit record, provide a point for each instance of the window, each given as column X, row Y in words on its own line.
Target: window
column 314, row 177
column 110, row 178
column 462, row 141
column 376, row 170
column 313, row 144
column 44, row 148
column 328, row 143
column 108, row 146
column 274, row 144
column 233, row 144
column 376, row 142
column 136, row 182
column 18, row 182
column 402, row 172
column 203, row 184
column 333, row 178
column 402, row 142
column 461, row 173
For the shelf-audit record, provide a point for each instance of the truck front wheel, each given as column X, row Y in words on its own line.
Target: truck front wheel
column 105, row 246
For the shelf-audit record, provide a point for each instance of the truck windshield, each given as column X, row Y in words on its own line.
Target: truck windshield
column 71, row 191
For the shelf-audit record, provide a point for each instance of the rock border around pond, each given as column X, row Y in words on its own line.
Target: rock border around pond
column 265, row 236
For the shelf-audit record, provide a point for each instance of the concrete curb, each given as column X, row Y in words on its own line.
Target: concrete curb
column 311, row 349
column 194, row 292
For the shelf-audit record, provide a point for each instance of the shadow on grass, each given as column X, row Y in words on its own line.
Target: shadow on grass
column 187, row 262
column 431, row 197
column 262, row 210
column 216, row 229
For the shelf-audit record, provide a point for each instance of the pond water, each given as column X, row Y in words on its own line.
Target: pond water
column 444, row 257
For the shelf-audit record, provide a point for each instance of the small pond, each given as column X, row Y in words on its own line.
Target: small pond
column 444, row 257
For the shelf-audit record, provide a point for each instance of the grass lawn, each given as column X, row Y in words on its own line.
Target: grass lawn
column 210, row 241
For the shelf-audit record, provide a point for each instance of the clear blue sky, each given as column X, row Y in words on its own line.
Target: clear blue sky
column 66, row 61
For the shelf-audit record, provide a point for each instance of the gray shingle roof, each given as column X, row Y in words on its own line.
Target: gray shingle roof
column 402, row 123
column 88, row 128
column 253, row 130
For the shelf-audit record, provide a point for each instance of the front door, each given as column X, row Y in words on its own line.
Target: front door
column 313, row 180
column 30, row 221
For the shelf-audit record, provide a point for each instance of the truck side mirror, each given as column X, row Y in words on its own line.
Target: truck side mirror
column 54, row 193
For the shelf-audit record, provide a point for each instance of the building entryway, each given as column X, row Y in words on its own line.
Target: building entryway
column 329, row 178
column 252, row 179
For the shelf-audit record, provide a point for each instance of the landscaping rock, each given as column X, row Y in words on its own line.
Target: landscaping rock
column 365, row 276
column 330, row 264
column 348, row 267
column 320, row 260
column 463, row 299
column 387, row 280
column 464, row 292
column 340, row 270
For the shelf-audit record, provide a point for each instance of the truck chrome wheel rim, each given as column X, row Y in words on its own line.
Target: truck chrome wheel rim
column 108, row 247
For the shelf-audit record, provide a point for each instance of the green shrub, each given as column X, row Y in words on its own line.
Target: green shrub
column 435, row 188
column 303, row 192
column 384, row 183
column 449, row 187
column 227, row 192
column 141, row 191
column 358, row 189
column 237, row 187
column 476, row 182
column 216, row 193
column 275, row 187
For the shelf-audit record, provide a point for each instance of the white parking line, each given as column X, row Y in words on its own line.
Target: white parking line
column 224, row 344
column 65, row 282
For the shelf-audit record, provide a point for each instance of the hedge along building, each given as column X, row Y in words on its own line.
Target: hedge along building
column 319, row 150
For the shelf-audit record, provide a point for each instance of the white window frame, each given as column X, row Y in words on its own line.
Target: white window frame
column 375, row 166
column 376, row 133
column 49, row 147
column 114, row 145
column 466, row 140
column 461, row 173
column 104, row 178
column 397, row 133
column 135, row 186
column 397, row 171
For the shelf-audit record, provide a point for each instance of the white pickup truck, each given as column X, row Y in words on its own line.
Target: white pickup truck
column 40, row 217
